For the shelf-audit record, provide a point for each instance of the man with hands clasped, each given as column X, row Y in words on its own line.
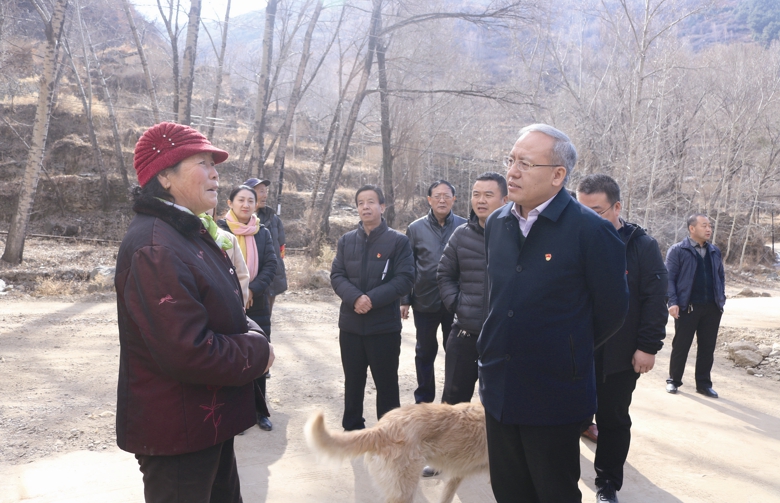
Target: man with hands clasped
column 373, row 269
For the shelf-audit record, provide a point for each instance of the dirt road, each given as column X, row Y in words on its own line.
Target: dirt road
column 58, row 365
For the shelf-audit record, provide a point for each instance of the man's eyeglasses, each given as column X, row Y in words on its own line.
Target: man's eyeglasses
column 441, row 197
column 601, row 213
column 509, row 163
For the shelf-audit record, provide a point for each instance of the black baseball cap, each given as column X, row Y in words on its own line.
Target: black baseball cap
column 254, row 182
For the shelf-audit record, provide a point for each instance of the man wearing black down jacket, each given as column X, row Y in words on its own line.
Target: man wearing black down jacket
column 631, row 351
column 462, row 279
column 373, row 269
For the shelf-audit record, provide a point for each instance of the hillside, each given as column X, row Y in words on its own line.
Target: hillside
column 458, row 92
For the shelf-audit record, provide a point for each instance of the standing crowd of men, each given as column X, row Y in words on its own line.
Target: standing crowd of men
column 549, row 299
column 546, row 297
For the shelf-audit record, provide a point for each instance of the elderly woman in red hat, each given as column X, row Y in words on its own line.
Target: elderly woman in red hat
column 188, row 354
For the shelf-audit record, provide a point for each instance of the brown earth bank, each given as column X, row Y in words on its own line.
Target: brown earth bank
column 58, row 370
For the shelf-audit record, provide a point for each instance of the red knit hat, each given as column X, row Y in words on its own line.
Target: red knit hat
column 165, row 145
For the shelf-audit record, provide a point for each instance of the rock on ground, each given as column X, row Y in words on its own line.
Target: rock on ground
column 747, row 358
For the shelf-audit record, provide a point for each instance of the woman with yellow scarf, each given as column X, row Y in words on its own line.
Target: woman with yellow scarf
column 257, row 248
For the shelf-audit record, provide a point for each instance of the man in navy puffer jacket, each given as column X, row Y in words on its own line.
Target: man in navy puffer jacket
column 696, row 298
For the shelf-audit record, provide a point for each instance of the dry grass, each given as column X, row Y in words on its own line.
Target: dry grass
column 50, row 287
column 72, row 105
column 301, row 268
column 69, row 104
column 25, row 99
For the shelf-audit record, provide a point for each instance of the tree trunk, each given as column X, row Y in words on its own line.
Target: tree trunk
column 86, row 102
column 750, row 220
column 332, row 132
column 721, row 205
column 188, row 65
column 14, row 248
column 245, row 149
column 172, row 26
column 267, row 151
column 340, row 156
column 295, row 97
column 220, row 66
column 386, row 131
column 734, row 220
column 112, row 118
column 263, row 94
column 656, row 156
column 57, row 192
column 149, row 83
column 87, row 99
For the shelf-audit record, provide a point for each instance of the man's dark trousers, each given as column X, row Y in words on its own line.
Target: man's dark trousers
column 614, row 396
column 379, row 352
column 460, row 367
column 535, row 464
column 427, row 324
column 704, row 321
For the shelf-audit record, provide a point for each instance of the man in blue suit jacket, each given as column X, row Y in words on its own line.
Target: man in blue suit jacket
column 557, row 281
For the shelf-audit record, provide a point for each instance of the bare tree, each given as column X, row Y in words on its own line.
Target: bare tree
column 53, row 24
column 86, row 94
column 385, row 129
column 144, row 64
column 111, row 116
column 223, row 29
column 292, row 104
column 333, row 130
column 171, row 21
column 340, row 154
column 643, row 31
column 263, row 94
column 188, row 65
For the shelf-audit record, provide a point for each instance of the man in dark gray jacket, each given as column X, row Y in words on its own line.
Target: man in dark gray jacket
column 462, row 278
column 428, row 236
column 372, row 270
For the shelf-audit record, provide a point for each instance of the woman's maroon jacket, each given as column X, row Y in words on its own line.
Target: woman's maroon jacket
column 187, row 352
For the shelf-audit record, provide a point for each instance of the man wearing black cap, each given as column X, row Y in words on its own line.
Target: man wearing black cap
column 271, row 220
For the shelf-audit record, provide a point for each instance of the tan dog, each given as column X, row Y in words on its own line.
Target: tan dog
column 449, row 438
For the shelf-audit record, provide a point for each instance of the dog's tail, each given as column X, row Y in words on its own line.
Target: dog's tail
column 340, row 445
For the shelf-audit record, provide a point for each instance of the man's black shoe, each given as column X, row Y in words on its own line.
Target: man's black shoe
column 671, row 388
column 264, row 423
column 707, row 392
column 607, row 493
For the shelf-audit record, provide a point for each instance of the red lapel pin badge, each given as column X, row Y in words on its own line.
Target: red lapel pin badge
column 547, row 256
column 378, row 255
